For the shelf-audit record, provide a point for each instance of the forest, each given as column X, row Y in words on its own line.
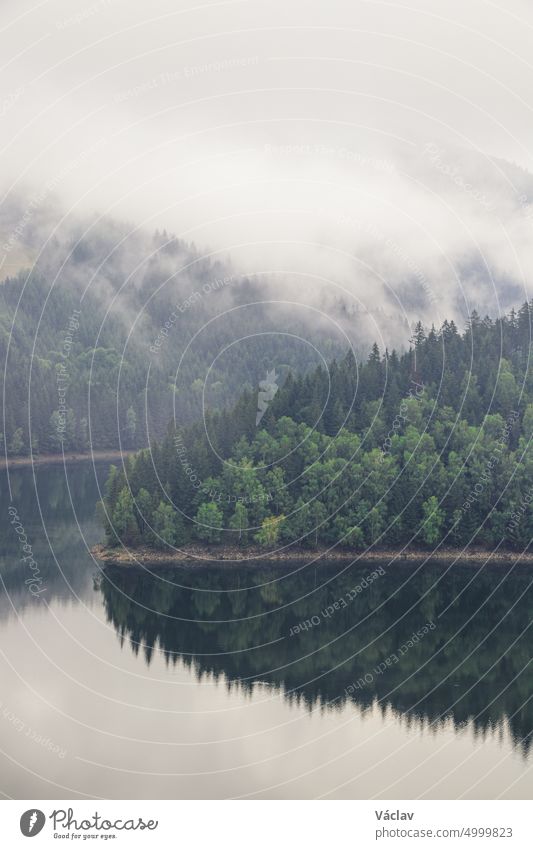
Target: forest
column 429, row 447
column 107, row 366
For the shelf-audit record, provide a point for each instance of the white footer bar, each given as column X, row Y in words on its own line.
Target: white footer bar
column 267, row 824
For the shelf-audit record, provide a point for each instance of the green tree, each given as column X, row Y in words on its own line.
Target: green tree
column 239, row 523
column 208, row 522
column 103, row 518
column 433, row 520
column 506, row 390
column 16, row 445
column 167, row 525
column 270, row 531
column 375, row 522
column 144, row 513
column 124, row 522
column 56, row 434
column 347, row 534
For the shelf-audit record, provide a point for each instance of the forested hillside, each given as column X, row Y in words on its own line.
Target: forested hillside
column 425, row 448
column 112, row 334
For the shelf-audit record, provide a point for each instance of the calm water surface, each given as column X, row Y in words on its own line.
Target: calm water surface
column 202, row 682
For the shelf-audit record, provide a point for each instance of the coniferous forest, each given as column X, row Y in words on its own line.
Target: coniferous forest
column 426, row 448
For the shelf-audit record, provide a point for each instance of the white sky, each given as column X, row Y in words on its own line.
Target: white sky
column 122, row 105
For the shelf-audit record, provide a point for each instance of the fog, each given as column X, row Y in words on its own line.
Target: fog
column 360, row 156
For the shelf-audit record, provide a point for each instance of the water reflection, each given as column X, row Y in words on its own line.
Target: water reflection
column 55, row 507
column 205, row 693
column 434, row 644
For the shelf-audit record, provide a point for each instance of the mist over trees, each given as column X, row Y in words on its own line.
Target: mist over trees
column 110, row 336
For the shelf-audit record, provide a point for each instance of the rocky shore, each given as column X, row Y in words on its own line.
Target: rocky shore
column 227, row 554
column 67, row 458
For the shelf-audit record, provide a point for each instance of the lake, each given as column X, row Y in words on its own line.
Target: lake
column 277, row 681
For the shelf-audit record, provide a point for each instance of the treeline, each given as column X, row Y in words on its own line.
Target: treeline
column 425, row 448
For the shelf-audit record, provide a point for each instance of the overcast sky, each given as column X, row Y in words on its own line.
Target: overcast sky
column 259, row 128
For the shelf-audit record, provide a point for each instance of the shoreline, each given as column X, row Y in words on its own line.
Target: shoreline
column 68, row 457
column 201, row 554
